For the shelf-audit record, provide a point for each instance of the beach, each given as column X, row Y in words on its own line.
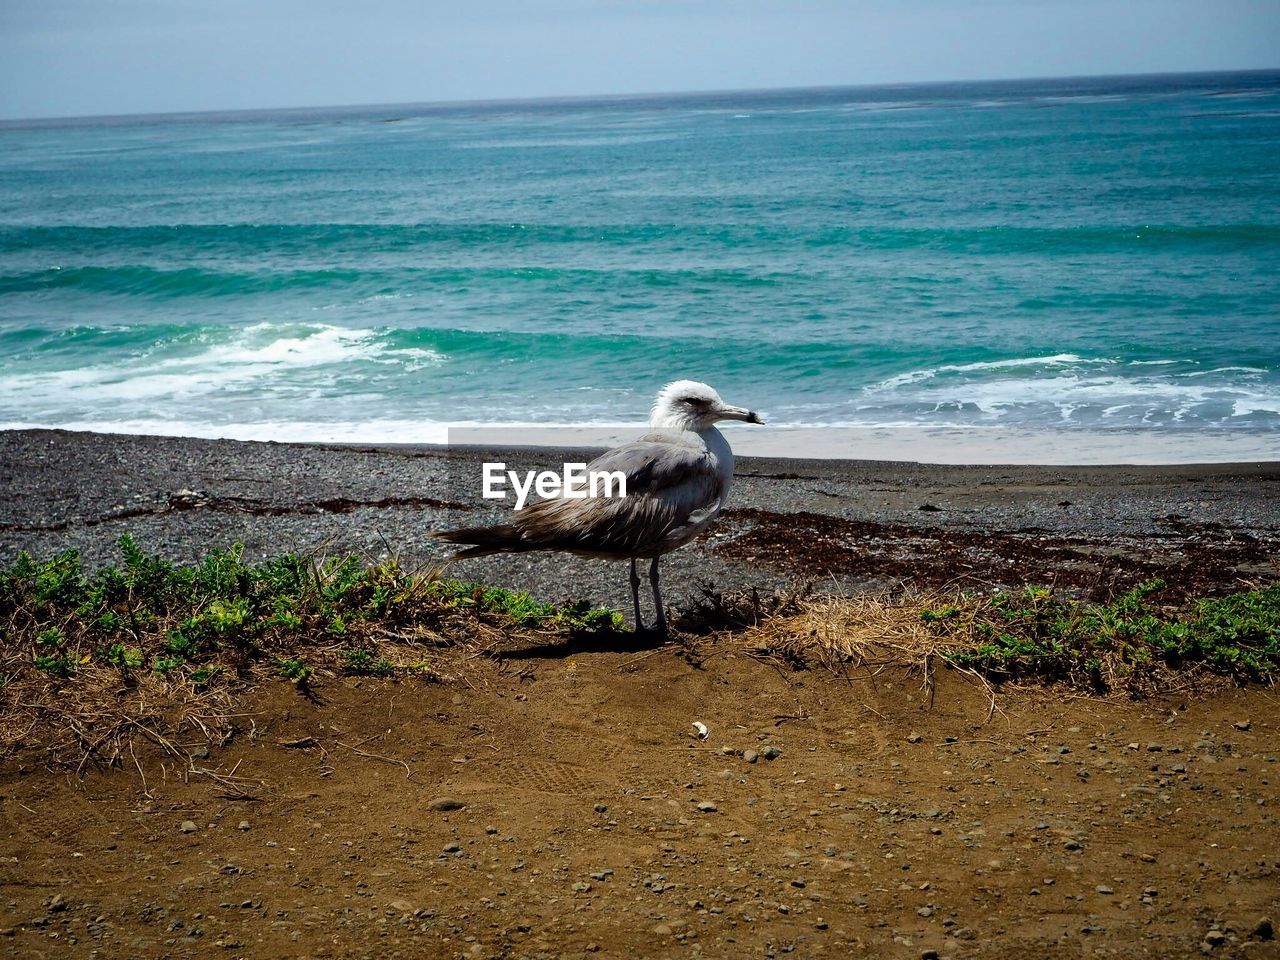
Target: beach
column 847, row 525
column 555, row 798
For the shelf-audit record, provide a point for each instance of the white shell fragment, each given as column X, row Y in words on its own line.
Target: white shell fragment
column 701, row 727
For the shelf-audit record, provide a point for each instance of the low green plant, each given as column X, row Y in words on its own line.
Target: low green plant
column 193, row 621
column 363, row 662
column 1035, row 634
column 55, row 666
column 294, row 670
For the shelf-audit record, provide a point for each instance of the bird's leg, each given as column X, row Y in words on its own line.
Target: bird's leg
column 635, row 594
column 661, row 623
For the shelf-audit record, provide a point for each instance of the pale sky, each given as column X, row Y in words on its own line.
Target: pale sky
column 82, row 57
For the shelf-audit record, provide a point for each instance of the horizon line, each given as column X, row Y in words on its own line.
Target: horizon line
column 590, row 97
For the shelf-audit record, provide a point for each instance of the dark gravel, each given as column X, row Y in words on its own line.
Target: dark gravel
column 853, row 524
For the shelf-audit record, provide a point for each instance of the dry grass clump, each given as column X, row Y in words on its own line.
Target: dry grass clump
column 1132, row 645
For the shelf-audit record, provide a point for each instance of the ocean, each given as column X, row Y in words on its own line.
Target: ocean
column 1078, row 259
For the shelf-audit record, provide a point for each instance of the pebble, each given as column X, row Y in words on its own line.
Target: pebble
column 771, row 752
column 914, row 737
column 244, row 825
column 1264, row 929
column 750, row 756
column 443, row 804
column 1242, row 724
column 925, row 912
column 187, row 826
column 491, row 829
column 452, row 847
column 601, row 808
column 1103, row 889
column 706, row 806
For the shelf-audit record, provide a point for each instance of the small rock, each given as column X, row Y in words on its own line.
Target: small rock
column 57, row 903
column 187, row 826
column 581, row 887
column 491, row 829
column 401, row 906
column 1203, row 745
column 452, row 847
column 925, row 912
column 706, row 806
column 244, row 825
column 1073, row 845
column 444, row 804
column 662, row 930
column 928, row 955
column 1103, row 889
column 771, row 752
column 965, row 933
column 750, row 756
column 601, row 808
column 914, row 737
column 1242, row 724
column 1264, row 929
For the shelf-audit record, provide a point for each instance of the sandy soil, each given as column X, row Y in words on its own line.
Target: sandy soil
column 595, row 823
column 591, row 821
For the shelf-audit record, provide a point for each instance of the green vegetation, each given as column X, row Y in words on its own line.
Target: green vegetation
column 1033, row 634
column 223, row 615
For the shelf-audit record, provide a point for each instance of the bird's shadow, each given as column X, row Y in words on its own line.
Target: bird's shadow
column 619, row 641
column 713, row 613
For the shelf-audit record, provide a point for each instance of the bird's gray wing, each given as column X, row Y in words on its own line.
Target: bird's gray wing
column 670, row 485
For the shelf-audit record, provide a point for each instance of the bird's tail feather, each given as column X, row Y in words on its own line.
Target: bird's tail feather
column 504, row 538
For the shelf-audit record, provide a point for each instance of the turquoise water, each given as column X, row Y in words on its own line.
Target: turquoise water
column 1080, row 255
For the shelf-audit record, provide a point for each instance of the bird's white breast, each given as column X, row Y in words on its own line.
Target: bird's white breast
column 720, row 452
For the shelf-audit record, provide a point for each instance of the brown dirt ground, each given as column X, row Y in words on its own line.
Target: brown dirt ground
column 1059, row 825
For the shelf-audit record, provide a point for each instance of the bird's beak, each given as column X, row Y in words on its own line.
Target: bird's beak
column 739, row 413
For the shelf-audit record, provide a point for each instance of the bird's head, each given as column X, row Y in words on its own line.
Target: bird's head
column 689, row 405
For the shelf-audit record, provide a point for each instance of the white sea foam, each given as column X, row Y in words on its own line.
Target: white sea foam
column 916, row 376
column 264, row 356
column 1073, row 389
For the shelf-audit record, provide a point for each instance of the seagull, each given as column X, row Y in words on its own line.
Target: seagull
column 677, row 480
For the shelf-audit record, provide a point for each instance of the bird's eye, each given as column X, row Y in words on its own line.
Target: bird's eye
column 695, row 401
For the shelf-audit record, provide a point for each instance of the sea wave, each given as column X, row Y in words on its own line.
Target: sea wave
column 182, row 365
column 1074, row 390
column 283, row 240
column 160, row 283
